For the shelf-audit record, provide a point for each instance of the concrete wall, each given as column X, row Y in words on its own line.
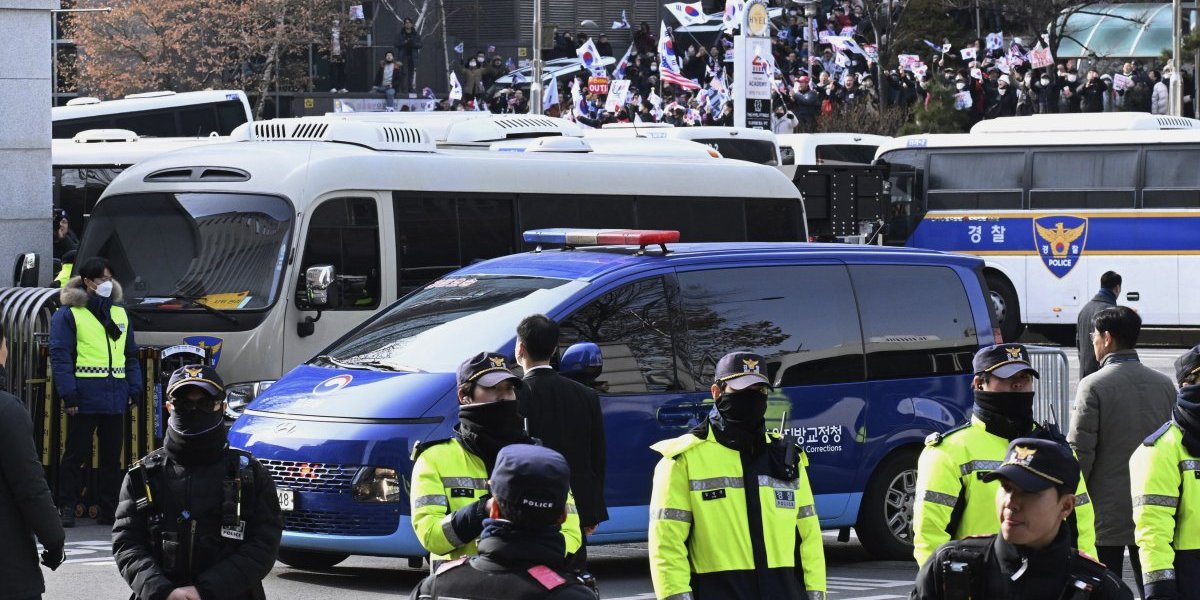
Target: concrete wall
column 25, row 194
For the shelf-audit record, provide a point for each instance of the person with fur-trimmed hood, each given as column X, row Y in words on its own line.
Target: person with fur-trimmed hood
column 97, row 375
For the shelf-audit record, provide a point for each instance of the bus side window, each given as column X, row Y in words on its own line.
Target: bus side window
column 345, row 233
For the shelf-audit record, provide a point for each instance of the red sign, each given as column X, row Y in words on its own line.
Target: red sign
column 597, row 85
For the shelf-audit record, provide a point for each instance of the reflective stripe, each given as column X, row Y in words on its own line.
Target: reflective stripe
column 768, row 481
column 448, row 531
column 1160, row 575
column 671, row 514
column 807, row 511
column 430, row 500
column 816, row 595
column 715, row 483
column 464, row 482
column 99, row 370
column 978, row 465
column 940, row 498
column 1156, row 500
column 683, row 596
column 1189, row 465
column 571, row 510
column 1082, row 499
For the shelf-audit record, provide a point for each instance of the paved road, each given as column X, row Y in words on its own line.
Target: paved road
column 622, row 571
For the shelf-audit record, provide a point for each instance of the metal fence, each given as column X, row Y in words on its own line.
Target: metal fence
column 1053, row 400
column 25, row 314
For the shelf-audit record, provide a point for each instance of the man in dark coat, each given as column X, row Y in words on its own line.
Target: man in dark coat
column 566, row 416
column 209, row 525
column 408, row 43
column 26, row 508
column 1110, row 289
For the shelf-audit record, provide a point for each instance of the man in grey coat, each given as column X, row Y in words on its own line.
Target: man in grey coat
column 1115, row 409
column 1110, row 290
column 26, row 508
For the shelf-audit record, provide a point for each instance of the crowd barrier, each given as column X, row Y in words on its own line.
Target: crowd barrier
column 1053, row 386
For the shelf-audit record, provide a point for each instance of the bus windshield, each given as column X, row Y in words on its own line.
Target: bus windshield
column 425, row 331
column 755, row 151
column 171, row 251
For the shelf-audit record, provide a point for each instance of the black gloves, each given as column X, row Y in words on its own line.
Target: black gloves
column 53, row 557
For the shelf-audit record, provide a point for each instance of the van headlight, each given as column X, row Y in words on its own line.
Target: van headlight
column 239, row 395
column 376, row 484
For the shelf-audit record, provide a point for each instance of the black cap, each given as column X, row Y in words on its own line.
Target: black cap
column 740, row 370
column 532, row 477
column 1003, row 361
column 486, row 369
column 1187, row 364
column 201, row 376
column 1035, row 465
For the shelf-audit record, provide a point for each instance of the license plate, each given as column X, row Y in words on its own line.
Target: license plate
column 287, row 499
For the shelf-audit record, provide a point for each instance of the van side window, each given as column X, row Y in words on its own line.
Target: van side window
column 917, row 321
column 439, row 234
column 632, row 326
column 801, row 318
column 345, row 233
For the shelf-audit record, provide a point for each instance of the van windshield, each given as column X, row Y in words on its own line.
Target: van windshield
column 755, row 151
column 438, row 326
column 172, row 251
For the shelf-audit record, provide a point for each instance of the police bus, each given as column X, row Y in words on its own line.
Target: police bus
column 1053, row 201
column 156, row 114
column 215, row 245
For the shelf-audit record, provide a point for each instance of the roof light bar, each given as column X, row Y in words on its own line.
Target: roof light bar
column 600, row 237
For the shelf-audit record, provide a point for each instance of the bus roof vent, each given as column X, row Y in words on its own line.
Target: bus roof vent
column 83, row 101
column 508, row 127
column 206, row 174
column 377, row 136
column 97, row 136
column 1084, row 122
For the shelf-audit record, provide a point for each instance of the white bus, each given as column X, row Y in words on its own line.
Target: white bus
column 213, row 244
column 1053, row 201
column 84, row 165
column 737, row 143
column 156, row 114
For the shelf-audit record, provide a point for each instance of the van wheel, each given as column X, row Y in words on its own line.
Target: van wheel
column 303, row 559
column 1005, row 306
column 885, row 519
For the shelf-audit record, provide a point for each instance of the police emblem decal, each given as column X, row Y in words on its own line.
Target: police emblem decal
column 749, row 365
column 785, row 499
column 1021, row 456
column 1013, row 353
column 1060, row 241
column 497, row 361
column 204, row 341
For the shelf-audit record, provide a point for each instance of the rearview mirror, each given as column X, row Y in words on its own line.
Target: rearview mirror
column 582, row 362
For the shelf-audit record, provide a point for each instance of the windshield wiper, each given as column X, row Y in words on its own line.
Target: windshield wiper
column 196, row 301
column 393, row 367
column 343, row 364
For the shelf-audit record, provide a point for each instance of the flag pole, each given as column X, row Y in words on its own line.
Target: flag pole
column 535, row 86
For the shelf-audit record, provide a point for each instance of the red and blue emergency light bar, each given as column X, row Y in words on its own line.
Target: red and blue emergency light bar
column 571, row 237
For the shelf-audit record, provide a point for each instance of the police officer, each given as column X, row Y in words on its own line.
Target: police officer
column 1032, row 558
column 521, row 550
column 731, row 510
column 97, row 375
column 953, row 501
column 1165, row 485
column 197, row 520
column 449, row 493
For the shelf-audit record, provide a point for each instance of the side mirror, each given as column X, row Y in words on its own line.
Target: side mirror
column 582, row 362
column 25, row 270
column 317, row 281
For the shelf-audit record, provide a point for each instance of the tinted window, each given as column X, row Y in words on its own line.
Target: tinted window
column 1172, row 169
column 801, row 318
column 232, row 114
column 774, row 220
column 916, row 321
column 149, row 124
column 577, row 210
column 703, row 219
column 345, row 233
column 846, row 153
column 1086, row 170
column 198, row 122
column 976, row 171
column 438, row 234
column 632, row 326
column 755, row 151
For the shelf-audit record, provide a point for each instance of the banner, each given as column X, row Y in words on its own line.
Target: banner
column 1121, row 82
column 1040, row 58
column 618, row 89
column 456, row 91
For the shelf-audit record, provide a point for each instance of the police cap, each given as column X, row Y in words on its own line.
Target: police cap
column 486, row 369
column 534, row 478
column 201, row 376
column 740, row 370
column 1003, row 361
column 1036, row 464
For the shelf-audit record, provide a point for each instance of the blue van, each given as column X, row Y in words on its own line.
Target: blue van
column 869, row 348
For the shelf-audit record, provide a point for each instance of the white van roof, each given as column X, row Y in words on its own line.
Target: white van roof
column 625, row 147
column 468, row 127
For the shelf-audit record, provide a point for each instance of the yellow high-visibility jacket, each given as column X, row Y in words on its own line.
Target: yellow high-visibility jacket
column 949, row 475
column 447, row 481
column 700, row 534
column 1164, row 480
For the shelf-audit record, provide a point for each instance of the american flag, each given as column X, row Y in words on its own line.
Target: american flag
column 674, row 78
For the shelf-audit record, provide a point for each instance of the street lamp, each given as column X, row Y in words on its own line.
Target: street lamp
column 54, row 43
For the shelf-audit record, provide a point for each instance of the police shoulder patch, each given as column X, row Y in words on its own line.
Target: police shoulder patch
column 1153, row 438
column 450, row 564
column 420, row 447
column 937, row 437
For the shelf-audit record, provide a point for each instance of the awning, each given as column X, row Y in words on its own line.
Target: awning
column 1118, row 31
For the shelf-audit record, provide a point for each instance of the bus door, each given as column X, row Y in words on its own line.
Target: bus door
column 342, row 255
column 906, row 202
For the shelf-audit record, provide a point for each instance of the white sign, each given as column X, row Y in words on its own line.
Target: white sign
column 618, row 90
column 758, row 84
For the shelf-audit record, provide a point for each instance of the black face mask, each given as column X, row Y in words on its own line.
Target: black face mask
column 189, row 423
column 738, row 421
column 1006, row 414
column 1187, row 416
column 487, row 428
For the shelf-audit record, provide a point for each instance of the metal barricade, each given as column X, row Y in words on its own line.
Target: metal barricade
column 1053, row 386
column 25, row 314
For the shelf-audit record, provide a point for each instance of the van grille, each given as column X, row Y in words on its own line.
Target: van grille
column 365, row 519
column 312, row 477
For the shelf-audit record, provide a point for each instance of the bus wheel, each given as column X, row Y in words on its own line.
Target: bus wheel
column 303, row 559
column 1005, row 306
column 885, row 519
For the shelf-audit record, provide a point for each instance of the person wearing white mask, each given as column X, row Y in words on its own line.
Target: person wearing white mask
column 97, row 376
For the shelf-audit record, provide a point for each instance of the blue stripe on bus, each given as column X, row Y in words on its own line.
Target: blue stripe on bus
column 1005, row 233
